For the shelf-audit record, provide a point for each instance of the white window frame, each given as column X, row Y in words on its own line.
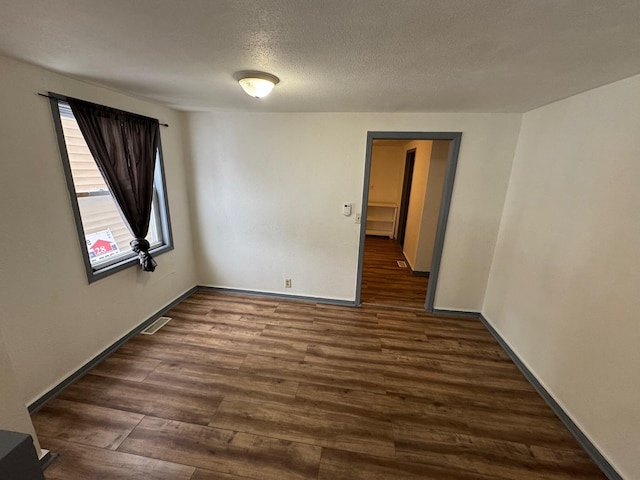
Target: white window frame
column 161, row 208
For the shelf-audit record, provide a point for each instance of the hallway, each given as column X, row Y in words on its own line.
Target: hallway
column 384, row 282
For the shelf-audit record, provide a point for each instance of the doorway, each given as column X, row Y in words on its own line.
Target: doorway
column 421, row 257
column 409, row 164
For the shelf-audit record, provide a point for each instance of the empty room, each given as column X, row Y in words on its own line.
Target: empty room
column 297, row 239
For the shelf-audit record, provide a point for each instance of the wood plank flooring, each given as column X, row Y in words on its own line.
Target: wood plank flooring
column 384, row 282
column 245, row 387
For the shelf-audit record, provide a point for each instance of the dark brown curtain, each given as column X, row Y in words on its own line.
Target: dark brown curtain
column 124, row 146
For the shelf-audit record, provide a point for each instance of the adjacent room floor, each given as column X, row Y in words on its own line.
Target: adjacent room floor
column 384, row 282
column 238, row 387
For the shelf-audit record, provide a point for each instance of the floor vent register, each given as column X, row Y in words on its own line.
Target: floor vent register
column 155, row 326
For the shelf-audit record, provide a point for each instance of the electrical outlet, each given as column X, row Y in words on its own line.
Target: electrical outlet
column 357, row 219
column 287, row 283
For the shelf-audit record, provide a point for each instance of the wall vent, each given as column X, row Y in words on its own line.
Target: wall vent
column 155, row 326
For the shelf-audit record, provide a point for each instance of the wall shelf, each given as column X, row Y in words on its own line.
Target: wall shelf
column 381, row 219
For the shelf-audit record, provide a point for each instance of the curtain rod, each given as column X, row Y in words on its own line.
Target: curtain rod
column 57, row 98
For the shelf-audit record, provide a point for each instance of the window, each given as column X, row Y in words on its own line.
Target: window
column 103, row 234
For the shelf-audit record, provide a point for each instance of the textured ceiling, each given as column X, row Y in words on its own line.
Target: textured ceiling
column 333, row 55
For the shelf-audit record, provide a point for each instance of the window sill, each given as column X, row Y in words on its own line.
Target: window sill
column 105, row 271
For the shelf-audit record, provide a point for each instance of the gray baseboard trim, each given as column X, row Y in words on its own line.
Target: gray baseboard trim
column 47, row 460
column 55, row 391
column 456, row 313
column 582, row 439
column 417, row 273
column 284, row 296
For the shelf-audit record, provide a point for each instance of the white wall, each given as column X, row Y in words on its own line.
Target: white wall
column 53, row 321
column 417, row 197
column 387, row 168
column 432, row 199
column 563, row 289
column 267, row 191
column 14, row 415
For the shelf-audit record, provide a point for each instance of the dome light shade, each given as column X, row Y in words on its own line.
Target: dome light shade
column 257, row 84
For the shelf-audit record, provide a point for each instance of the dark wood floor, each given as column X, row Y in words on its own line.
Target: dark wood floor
column 384, row 282
column 239, row 387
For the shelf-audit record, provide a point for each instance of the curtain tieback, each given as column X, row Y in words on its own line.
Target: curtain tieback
column 141, row 247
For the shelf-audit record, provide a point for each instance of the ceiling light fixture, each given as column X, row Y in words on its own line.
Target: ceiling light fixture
column 256, row 84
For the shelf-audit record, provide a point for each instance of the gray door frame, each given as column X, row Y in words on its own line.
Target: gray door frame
column 445, row 204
